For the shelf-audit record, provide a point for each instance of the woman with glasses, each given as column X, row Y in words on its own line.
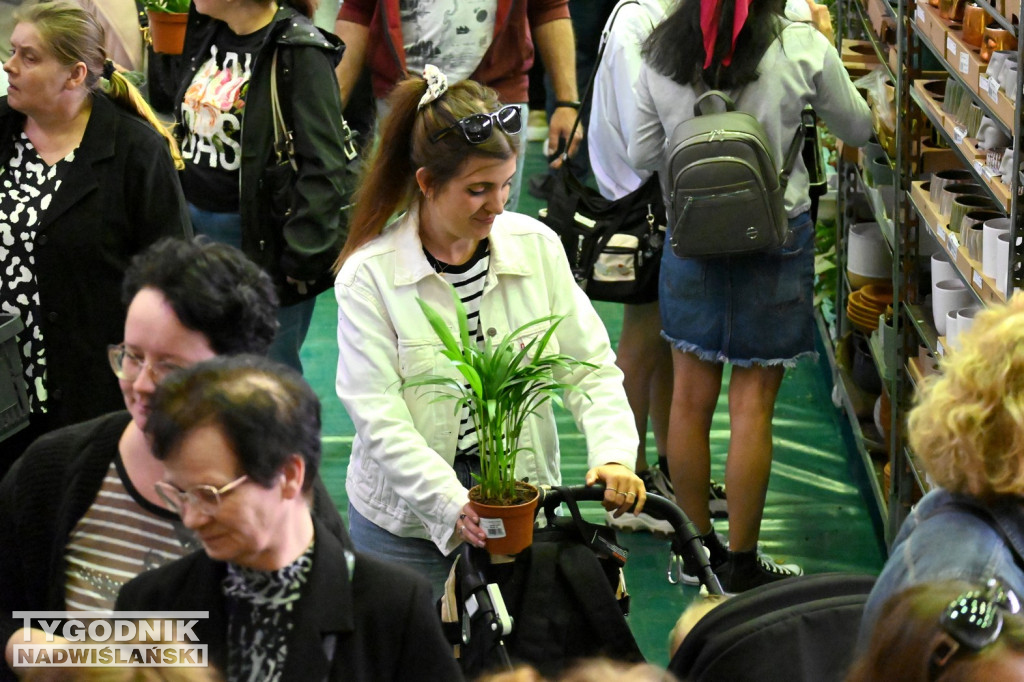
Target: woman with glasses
column 948, row 630
column 445, row 162
column 81, row 512
column 967, row 429
column 87, row 180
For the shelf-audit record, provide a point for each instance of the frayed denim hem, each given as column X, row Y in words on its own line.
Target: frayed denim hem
column 720, row 358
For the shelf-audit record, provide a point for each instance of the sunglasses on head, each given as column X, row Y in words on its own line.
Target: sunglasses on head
column 973, row 621
column 477, row 128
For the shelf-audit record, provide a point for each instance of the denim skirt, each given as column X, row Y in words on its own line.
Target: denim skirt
column 751, row 310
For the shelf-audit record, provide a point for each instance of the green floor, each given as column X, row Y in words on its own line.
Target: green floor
column 816, row 513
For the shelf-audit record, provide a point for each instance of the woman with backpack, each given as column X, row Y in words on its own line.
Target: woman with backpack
column 753, row 311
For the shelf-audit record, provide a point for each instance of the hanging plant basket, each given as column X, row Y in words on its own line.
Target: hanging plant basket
column 167, row 31
column 509, row 528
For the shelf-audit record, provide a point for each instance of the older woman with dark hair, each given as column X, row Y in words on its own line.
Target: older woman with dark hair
column 968, row 430
column 240, row 440
column 80, row 509
column 87, row 180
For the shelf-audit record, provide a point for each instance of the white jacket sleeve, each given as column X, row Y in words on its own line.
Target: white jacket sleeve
column 369, row 385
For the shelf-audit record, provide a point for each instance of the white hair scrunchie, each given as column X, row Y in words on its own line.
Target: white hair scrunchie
column 437, row 85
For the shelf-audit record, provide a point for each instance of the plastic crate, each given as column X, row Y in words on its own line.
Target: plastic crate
column 13, row 397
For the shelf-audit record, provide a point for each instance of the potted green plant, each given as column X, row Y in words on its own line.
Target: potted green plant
column 167, row 21
column 501, row 384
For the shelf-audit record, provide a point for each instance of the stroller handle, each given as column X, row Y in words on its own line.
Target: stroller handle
column 685, row 543
column 656, row 505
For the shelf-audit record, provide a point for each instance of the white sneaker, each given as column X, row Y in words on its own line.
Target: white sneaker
column 639, row 523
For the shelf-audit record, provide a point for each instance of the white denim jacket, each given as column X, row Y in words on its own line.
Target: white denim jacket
column 400, row 473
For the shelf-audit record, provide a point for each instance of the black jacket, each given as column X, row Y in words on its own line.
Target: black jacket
column 307, row 244
column 43, row 497
column 378, row 621
column 120, row 195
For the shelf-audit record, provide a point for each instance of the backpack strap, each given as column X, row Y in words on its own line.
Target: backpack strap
column 593, row 75
column 795, row 148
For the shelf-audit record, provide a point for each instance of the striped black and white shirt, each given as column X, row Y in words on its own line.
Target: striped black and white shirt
column 468, row 280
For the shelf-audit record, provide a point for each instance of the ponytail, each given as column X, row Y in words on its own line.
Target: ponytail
column 407, row 144
column 128, row 97
column 389, row 180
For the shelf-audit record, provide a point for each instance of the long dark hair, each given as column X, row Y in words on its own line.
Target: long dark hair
column 676, row 47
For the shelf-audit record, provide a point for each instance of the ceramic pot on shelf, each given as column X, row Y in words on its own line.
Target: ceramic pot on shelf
column 975, row 19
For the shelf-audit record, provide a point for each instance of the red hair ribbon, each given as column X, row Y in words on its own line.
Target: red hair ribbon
column 710, row 15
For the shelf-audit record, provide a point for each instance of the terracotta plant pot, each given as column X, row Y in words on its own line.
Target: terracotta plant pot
column 167, row 31
column 509, row 528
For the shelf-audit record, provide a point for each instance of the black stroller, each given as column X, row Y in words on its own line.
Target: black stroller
column 560, row 599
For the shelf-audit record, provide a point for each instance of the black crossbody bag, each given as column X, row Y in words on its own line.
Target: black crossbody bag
column 614, row 246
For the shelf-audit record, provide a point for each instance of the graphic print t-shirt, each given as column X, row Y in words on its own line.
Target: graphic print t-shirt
column 453, row 35
column 212, row 115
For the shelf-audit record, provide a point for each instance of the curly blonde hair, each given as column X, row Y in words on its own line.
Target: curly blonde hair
column 968, row 424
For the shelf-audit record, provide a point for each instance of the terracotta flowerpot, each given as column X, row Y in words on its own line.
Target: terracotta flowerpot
column 167, row 31
column 509, row 529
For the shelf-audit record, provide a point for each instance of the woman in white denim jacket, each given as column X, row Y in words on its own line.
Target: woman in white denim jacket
column 447, row 157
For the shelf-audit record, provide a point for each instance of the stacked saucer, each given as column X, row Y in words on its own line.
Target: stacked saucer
column 866, row 304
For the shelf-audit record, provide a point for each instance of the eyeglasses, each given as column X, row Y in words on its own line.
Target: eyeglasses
column 477, row 128
column 974, row 621
column 204, row 498
column 128, row 366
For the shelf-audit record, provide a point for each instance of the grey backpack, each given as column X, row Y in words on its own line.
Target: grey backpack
column 725, row 189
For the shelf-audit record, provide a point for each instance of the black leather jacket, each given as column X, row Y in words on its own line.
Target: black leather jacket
column 306, row 246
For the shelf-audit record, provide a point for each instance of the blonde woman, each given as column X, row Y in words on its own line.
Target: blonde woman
column 968, row 430
column 87, row 180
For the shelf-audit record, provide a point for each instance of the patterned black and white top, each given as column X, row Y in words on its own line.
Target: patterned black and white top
column 468, row 279
column 261, row 617
column 27, row 187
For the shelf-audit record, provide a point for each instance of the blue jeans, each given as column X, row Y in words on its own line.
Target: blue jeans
column 755, row 309
column 292, row 320
column 418, row 554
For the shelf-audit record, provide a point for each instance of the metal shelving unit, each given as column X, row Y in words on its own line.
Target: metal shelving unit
column 909, row 226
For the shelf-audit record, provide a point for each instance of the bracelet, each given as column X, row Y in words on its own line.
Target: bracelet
column 571, row 104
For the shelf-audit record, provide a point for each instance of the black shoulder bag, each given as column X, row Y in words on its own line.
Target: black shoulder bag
column 280, row 176
column 613, row 246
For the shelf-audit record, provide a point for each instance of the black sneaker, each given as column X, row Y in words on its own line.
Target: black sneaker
column 717, row 504
column 746, row 570
column 655, row 481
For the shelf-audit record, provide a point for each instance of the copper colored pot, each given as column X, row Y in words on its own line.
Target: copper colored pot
column 975, row 19
column 996, row 38
column 951, row 9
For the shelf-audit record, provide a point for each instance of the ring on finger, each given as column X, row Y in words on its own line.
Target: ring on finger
column 630, row 493
column 619, row 492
